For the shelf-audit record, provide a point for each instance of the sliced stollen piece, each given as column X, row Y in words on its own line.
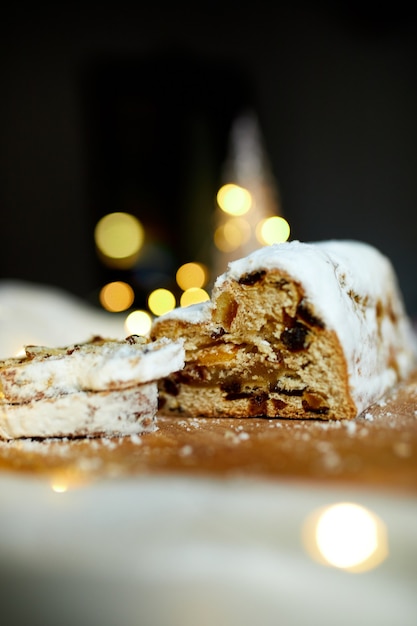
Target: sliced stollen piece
column 83, row 413
column 101, row 387
column 294, row 330
column 97, row 365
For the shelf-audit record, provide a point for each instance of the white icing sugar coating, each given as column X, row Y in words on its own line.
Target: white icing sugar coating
column 89, row 367
column 194, row 313
column 110, row 413
column 344, row 281
column 128, row 365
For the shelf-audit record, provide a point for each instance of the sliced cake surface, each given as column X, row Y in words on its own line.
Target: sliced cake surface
column 294, row 330
column 97, row 365
column 100, row 387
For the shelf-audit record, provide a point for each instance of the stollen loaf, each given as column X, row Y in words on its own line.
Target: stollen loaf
column 294, row 330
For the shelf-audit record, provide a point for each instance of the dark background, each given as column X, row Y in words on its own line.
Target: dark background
column 129, row 107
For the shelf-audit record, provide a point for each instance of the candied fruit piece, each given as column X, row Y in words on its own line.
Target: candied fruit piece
column 252, row 278
column 315, row 403
column 307, row 316
column 226, row 309
column 295, row 338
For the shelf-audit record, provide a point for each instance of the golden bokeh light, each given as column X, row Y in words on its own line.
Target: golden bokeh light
column 59, row 487
column 233, row 199
column 194, row 295
column 116, row 296
column 119, row 238
column 68, row 479
column 138, row 323
column 161, row 301
column 273, row 229
column 347, row 536
column 191, row 275
column 232, row 234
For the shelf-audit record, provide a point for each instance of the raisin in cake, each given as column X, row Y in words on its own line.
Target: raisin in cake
column 294, row 330
column 101, row 387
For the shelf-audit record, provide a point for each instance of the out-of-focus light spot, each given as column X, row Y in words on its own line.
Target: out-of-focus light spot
column 272, row 230
column 71, row 478
column 191, row 275
column 59, row 487
column 232, row 234
column 347, row 536
column 138, row 323
column 119, row 238
column 234, row 200
column 194, row 295
column 161, row 301
column 117, row 296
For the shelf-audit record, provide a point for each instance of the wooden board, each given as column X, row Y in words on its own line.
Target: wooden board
column 377, row 450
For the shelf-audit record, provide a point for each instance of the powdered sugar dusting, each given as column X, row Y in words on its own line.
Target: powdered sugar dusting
column 38, row 446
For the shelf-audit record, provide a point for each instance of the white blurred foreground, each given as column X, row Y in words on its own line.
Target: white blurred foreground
column 43, row 315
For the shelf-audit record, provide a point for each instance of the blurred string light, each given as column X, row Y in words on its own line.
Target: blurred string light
column 234, row 199
column 119, row 238
column 247, row 215
column 59, row 486
column 191, row 278
column 236, row 232
column 273, row 229
column 191, row 275
column 346, row 536
column 232, row 234
column 161, row 301
column 69, row 479
column 248, row 208
column 138, row 322
column 193, row 295
column 116, row 296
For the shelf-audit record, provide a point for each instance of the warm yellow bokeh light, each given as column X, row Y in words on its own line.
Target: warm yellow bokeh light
column 119, row 238
column 68, row 479
column 234, row 200
column 191, row 275
column 59, row 487
column 232, row 234
column 273, row 229
column 347, row 536
column 116, row 296
column 194, row 295
column 138, row 323
column 220, row 240
column 161, row 301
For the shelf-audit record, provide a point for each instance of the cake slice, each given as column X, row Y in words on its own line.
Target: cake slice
column 294, row 330
column 101, row 387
